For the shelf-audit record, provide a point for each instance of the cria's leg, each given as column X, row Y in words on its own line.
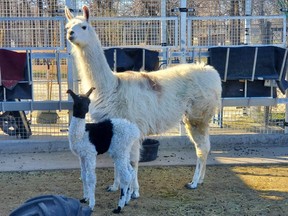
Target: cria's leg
column 84, row 182
column 115, row 185
column 130, row 188
column 125, row 180
column 198, row 132
column 90, row 163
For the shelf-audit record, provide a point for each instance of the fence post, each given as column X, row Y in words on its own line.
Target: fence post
column 164, row 32
column 183, row 39
column 248, row 12
column 183, row 43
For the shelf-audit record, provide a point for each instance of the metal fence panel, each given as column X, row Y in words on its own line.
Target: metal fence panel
column 233, row 31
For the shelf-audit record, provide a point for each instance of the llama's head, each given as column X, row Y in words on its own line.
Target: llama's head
column 79, row 31
column 81, row 103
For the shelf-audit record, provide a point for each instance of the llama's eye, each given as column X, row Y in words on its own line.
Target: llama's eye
column 84, row 27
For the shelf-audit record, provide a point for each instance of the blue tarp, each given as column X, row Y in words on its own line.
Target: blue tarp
column 240, row 67
column 132, row 59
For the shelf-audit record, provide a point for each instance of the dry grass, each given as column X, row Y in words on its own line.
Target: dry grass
column 228, row 190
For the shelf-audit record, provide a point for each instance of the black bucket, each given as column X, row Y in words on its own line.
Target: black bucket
column 149, row 150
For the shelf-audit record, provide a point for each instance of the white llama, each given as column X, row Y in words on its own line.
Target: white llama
column 155, row 101
column 118, row 137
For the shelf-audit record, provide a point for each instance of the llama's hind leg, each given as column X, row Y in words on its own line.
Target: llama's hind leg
column 134, row 161
column 134, row 182
column 199, row 134
column 116, row 183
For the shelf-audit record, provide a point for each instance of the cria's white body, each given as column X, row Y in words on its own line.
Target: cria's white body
column 118, row 137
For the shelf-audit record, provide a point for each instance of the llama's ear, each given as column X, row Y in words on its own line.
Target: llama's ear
column 89, row 92
column 68, row 14
column 86, row 12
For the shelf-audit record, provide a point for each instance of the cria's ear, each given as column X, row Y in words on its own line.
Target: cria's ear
column 73, row 95
column 90, row 91
column 86, row 12
column 68, row 14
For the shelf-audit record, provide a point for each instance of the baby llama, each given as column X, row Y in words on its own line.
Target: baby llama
column 154, row 101
column 118, row 137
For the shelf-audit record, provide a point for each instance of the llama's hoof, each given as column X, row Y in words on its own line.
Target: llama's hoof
column 191, row 185
column 111, row 188
column 117, row 211
column 135, row 195
column 83, row 200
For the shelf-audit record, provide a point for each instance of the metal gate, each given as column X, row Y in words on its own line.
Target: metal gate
column 182, row 31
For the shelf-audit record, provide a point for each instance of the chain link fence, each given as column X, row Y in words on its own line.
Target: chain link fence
column 38, row 26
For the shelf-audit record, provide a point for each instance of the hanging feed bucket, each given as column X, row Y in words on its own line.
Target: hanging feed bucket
column 149, row 150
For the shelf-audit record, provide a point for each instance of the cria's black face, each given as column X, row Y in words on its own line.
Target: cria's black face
column 81, row 103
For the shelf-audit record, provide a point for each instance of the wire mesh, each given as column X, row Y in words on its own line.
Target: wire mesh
column 135, row 32
column 32, row 33
column 39, row 25
column 233, row 31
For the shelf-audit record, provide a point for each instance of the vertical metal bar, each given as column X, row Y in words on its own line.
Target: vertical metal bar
column 248, row 12
column 254, row 64
column 176, row 35
column 28, row 56
column 283, row 64
column 59, row 78
column 143, row 59
column 284, row 30
column 31, row 71
column 245, row 88
column 183, row 39
column 4, row 94
column 189, row 30
column 71, row 73
column 62, row 33
column 115, row 60
column 226, row 64
column 183, row 45
column 163, row 31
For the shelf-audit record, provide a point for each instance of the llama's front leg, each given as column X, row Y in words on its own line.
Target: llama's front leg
column 115, row 185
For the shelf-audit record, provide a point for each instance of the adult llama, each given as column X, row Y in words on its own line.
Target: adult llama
column 155, row 101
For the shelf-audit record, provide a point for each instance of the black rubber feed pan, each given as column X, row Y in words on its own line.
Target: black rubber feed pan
column 47, row 205
column 149, row 150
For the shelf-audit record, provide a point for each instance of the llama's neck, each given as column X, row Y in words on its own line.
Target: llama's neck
column 76, row 130
column 93, row 68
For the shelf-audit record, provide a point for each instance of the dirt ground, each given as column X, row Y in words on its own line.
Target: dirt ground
column 228, row 190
